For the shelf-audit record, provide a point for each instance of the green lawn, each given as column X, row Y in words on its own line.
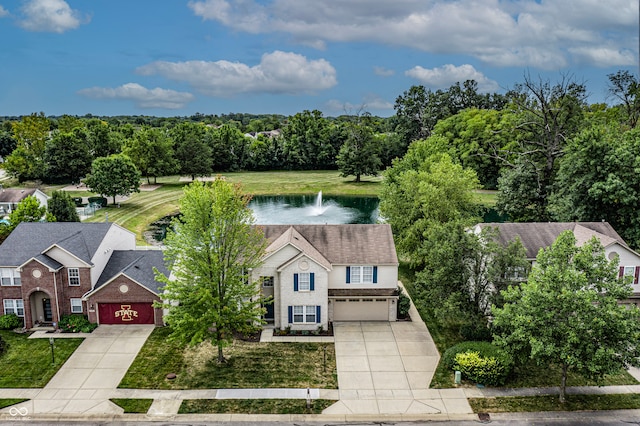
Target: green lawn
column 250, row 365
column 253, row 406
column 27, row 362
column 132, row 405
column 552, row 403
column 7, row 402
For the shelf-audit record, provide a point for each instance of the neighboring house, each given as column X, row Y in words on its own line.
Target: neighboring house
column 9, row 198
column 322, row 273
column 52, row 269
column 538, row 235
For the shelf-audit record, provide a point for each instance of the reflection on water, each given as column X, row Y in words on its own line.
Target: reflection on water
column 313, row 209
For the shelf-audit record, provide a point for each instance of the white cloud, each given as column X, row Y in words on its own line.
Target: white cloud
column 3, row 12
column 143, row 97
column 506, row 33
column 50, row 16
column 277, row 72
column 383, row 72
column 449, row 74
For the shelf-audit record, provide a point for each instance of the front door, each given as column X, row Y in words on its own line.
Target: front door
column 269, row 314
column 46, row 308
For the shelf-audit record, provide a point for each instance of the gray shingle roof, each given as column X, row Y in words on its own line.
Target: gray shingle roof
column 15, row 195
column 137, row 265
column 537, row 235
column 30, row 239
column 350, row 244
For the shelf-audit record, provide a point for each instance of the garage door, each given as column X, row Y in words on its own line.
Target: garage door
column 125, row 313
column 360, row 310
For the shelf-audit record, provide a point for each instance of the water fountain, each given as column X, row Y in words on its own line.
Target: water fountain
column 318, row 209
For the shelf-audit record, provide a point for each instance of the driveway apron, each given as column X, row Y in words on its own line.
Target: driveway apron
column 85, row 382
column 386, row 368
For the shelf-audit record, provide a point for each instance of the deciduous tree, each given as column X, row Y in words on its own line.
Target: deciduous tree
column 113, row 175
column 359, row 154
column 62, row 207
column 27, row 160
column 568, row 313
column 212, row 248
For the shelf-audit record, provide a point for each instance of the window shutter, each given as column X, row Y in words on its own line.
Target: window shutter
column 318, row 314
column 375, row 274
column 295, row 283
column 290, row 310
column 621, row 272
column 635, row 278
column 348, row 274
column 312, row 281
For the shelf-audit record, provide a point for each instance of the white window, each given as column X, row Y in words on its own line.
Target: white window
column 361, row 274
column 76, row 306
column 14, row 306
column 74, row 276
column 304, row 314
column 630, row 271
column 267, row 281
column 9, row 277
column 304, row 281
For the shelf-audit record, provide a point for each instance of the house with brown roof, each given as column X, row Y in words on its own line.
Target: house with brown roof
column 9, row 198
column 321, row 273
column 537, row 235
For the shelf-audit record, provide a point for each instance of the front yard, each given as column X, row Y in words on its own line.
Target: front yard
column 27, row 362
column 250, row 365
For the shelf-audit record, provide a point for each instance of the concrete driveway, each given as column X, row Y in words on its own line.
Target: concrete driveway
column 386, row 368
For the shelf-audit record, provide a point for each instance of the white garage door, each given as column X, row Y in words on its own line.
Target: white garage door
column 360, row 310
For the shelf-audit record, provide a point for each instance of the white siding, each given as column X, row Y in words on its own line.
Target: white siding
column 286, row 296
column 65, row 258
column 387, row 277
column 117, row 238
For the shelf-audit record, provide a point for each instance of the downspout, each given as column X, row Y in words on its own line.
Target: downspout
column 55, row 289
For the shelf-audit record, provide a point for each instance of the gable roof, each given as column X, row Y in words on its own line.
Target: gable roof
column 31, row 239
column 137, row 265
column 15, row 195
column 537, row 235
column 351, row 244
column 293, row 237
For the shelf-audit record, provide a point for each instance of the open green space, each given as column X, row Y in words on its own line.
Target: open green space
column 253, row 406
column 133, row 405
column 249, row 365
column 27, row 362
column 551, row 403
column 7, row 402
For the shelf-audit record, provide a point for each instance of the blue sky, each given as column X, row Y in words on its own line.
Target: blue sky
column 166, row 58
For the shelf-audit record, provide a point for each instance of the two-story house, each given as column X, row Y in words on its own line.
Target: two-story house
column 537, row 235
column 322, row 273
column 9, row 198
column 52, row 269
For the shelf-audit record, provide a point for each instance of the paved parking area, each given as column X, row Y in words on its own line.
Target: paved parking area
column 386, row 368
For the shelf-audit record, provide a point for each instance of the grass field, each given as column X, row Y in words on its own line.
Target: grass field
column 249, row 365
column 27, row 362
column 552, row 403
column 133, row 405
column 253, row 406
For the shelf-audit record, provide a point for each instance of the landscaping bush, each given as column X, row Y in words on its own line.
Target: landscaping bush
column 476, row 332
column 98, row 200
column 404, row 303
column 76, row 324
column 10, row 321
column 481, row 362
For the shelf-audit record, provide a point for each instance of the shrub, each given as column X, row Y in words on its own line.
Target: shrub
column 404, row 303
column 76, row 323
column 98, row 200
column 3, row 346
column 10, row 321
column 490, row 365
column 477, row 332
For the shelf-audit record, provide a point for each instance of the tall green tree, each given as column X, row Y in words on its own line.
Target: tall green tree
column 67, row 156
column 229, row 148
column 424, row 188
column 212, row 248
column 599, row 179
column 192, row 152
column 625, row 87
column 568, row 313
column 151, row 150
column 62, row 207
column 113, row 175
column 102, row 140
column 306, row 143
column 31, row 133
column 358, row 155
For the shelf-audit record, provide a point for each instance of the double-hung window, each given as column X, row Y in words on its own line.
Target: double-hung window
column 630, row 271
column 304, row 281
column 303, row 314
column 74, row 276
column 76, row 306
column 14, row 306
column 267, row 281
column 9, row 277
column 362, row 274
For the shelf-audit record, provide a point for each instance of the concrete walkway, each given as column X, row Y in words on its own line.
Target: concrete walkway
column 84, row 384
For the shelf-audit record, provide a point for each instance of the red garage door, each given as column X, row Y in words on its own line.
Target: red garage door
column 125, row 313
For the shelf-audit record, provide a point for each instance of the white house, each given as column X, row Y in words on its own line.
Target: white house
column 322, row 273
column 9, row 198
column 537, row 235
